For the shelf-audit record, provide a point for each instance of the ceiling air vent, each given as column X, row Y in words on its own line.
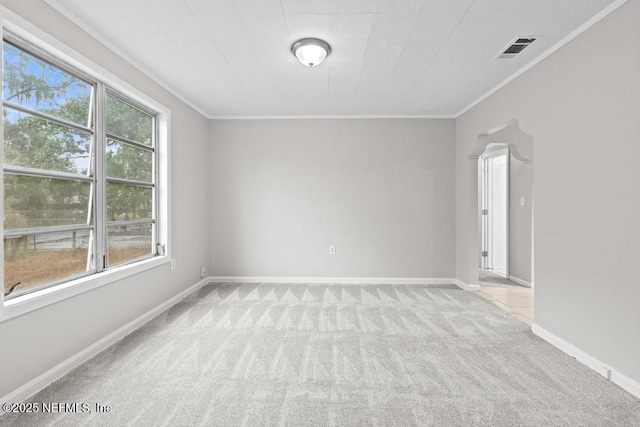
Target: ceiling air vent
column 516, row 47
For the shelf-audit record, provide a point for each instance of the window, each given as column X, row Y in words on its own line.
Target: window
column 80, row 173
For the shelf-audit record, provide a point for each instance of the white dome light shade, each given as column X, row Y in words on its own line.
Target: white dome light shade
column 311, row 52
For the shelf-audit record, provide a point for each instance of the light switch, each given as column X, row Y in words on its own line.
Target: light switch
column 521, row 201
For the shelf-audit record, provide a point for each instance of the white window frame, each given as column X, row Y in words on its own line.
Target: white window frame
column 38, row 38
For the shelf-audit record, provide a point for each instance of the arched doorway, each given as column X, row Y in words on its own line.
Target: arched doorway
column 504, row 157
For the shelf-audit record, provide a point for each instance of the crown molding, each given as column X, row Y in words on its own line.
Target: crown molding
column 93, row 33
column 87, row 28
column 332, row 117
column 575, row 33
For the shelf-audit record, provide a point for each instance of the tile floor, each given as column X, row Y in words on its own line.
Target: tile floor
column 515, row 300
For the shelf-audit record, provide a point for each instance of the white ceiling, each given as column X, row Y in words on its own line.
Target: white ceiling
column 232, row 58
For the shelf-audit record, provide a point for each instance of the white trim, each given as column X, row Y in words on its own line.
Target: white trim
column 87, row 28
column 497, row 150
column 629, row 384
column 42, row 381
column 575, row 33
column 467, row 286
column 41, row 39
column 93, row 33
column 352, row 116
column 498, row 273
column 54, row 47
column 521, row 282
column 36, row 300
column 338, row 280
column 348, row 280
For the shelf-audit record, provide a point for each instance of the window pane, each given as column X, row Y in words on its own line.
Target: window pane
column 128, row 162
column 128, row 122
column 36, row 143
column 44, row 258
column 33, row 83
column 129, row 242
column 128, row 202
column 37, row 202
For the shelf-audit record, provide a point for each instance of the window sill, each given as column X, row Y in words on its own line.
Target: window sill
column 42, row 298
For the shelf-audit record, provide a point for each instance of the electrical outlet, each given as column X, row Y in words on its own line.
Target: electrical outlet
column 332, row 250
column 203, row 271
column 173, row 263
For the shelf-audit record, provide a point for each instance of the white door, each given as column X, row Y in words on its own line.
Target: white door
column 495, row 211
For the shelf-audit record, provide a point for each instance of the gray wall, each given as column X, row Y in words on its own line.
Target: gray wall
column 520, row 220
column 381, row 190
column 34, row 343
column 581, row 105
column 266, row 198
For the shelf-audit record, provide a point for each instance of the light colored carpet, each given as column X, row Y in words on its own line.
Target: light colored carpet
column 321, row 355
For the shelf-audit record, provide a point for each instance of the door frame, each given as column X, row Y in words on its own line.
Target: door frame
column 484, row 196
column 508, row 133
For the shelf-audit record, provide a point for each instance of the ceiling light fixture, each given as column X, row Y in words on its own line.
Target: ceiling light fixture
column 311, row 52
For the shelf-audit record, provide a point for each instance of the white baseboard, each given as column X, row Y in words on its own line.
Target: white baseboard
column 337, row 280
column 503, row 275
column 348, row 280
column 467, row 286
column 629, row 384
column 42, row 381
column 521, row 282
